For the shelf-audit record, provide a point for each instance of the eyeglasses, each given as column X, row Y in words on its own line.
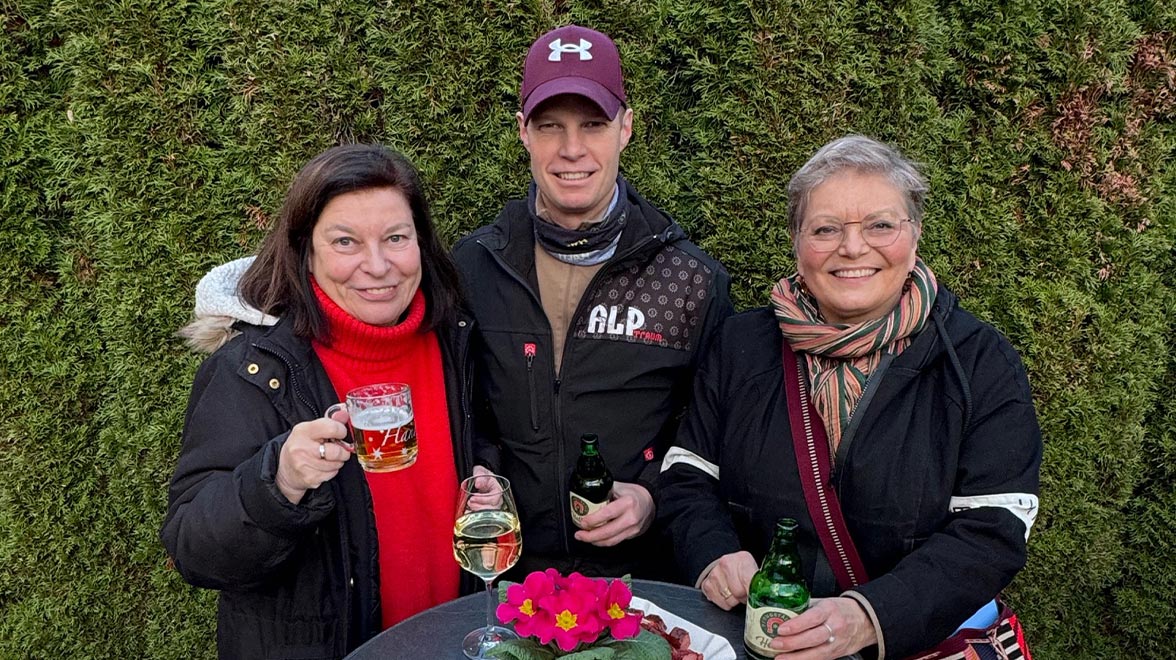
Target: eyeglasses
column 826, row 235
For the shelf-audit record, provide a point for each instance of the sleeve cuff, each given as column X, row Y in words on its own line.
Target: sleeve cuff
column 264, row 502
column 869, row 609
column 487, row 455
column 648, row 478
column 705, row 572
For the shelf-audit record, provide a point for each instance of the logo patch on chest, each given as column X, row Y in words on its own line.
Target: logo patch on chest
column 659, row 303
column 607, row 320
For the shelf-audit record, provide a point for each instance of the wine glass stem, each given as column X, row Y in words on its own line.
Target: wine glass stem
column 490, row 603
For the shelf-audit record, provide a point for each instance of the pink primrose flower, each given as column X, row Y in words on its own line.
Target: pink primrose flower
column 597, row 587
column 614, row 611
column 574, row 618
column 522, row 604
column 557, row 579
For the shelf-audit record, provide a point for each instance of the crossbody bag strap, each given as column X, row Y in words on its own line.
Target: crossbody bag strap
column 811, row 446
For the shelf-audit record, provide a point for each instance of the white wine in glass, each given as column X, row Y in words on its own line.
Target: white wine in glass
column 486, row 542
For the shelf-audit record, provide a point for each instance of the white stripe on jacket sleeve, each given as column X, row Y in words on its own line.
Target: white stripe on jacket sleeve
column 1021, row 505
column 678, row 455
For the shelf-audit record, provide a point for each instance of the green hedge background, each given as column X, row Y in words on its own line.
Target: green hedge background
column 144, row 141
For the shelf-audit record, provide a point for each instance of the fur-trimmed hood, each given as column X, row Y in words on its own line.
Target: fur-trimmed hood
column 218, row 307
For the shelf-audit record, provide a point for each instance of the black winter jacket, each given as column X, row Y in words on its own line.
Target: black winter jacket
column 295, row 581
column 937, row 473
column 626, row 372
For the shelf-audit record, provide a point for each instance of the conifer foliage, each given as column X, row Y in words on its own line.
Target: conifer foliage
column 144, row 141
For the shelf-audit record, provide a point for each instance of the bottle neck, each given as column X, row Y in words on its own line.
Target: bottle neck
column 782, row 542
column 782, row 555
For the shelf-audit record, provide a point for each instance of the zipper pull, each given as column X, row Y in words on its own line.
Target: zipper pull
column 529, row 353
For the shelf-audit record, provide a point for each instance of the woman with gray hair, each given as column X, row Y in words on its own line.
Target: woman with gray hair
column 895, row 427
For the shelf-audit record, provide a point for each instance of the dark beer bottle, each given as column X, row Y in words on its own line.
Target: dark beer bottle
column 777, row 592
column 591, row 480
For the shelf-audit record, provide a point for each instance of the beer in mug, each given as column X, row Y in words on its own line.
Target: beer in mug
column 383, row 430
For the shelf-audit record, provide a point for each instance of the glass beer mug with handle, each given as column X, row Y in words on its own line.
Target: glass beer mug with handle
column 486, row 542
column 383, row 429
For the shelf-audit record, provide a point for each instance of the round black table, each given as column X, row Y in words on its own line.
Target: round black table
column 437, row 633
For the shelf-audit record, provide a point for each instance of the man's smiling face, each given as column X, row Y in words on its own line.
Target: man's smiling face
column 575, row 156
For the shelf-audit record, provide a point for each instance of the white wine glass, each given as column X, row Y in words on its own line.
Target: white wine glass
column 486, row 542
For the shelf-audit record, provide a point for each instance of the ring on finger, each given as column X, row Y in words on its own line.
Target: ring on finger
column 726, row 592
column 323, row 451
column 831, row 637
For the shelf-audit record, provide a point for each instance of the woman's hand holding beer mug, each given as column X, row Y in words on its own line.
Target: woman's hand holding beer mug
column 312, row 455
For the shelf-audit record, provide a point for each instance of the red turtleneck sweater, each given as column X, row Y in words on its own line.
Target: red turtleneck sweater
column 414, row 507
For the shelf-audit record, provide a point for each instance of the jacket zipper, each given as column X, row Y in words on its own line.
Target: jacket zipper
column 529, row 353
column 467, row 395
column 293, row 379
column 558, row 431
column 823, row 500
column 463, row 446
column 558, row 408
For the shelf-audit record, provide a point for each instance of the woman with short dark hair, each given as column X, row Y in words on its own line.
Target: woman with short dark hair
column 311, row 554
column 921, row 424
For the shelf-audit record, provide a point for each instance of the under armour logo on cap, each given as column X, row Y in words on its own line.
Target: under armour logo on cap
column 573, row 60
column 558, row 48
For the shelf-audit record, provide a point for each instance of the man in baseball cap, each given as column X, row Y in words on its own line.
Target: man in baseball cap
column 572, row 76
column 591, row 307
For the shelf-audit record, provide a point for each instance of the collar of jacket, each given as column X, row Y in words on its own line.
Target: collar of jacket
column 280, row 339
column 934, row 339
column 298, row 353
column 308, row 391
column 939, row 339
column 647, row 230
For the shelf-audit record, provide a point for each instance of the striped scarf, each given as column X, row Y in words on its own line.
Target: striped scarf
column 841, row 357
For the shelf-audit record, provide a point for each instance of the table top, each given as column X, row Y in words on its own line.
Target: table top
column 437, row 632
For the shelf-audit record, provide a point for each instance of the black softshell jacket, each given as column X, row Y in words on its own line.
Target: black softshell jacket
column 295, row 581
column 626, row 373
column 937, row 472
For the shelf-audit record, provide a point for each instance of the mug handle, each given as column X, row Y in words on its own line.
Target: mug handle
column 331, row 410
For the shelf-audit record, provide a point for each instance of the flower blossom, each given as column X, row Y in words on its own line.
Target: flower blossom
column 575, row 620
column 614, row 611
column 522, row 604
column 570, row 612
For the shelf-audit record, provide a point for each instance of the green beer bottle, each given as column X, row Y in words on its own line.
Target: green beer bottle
column 777, row 592
column 591, row 480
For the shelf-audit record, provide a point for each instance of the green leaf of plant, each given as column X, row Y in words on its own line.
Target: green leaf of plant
column 594, row 653
column 521, row 649
column 502, row 587
column 645, row 646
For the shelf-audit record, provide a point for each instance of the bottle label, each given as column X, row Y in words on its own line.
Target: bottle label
column 760, row 626
column 582, row 507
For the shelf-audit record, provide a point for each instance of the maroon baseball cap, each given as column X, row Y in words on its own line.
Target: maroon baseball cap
column 573, row 60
